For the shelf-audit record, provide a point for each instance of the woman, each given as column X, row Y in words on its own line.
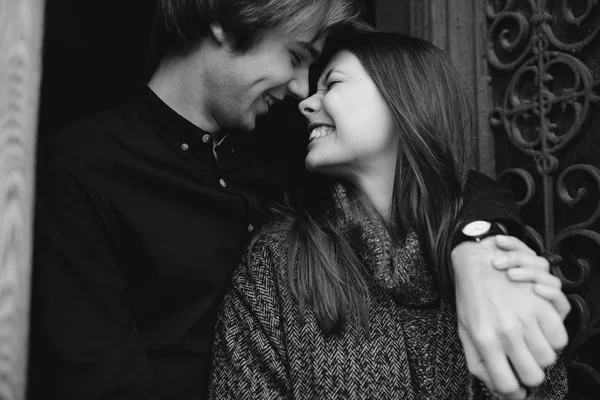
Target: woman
column 346, row 295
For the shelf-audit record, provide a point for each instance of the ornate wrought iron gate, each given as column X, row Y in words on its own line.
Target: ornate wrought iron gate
column 544, row 70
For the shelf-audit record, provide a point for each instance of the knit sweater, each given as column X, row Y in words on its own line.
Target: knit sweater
column 264, row 350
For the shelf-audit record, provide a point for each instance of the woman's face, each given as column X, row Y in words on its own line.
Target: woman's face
column 352, row 131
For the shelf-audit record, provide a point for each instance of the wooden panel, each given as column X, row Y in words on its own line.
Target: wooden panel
column 20, row 55
column 458, row 27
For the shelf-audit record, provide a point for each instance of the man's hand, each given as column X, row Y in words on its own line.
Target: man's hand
column 546, row 285
column 509, row 333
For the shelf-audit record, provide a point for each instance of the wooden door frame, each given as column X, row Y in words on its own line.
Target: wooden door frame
column 458, row 27
column 21, row 30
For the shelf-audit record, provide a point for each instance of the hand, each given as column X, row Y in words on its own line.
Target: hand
column 535, row 270
column 502, row 323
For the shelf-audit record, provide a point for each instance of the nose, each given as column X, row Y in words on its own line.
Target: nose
column 310, row 105
column 298, row 86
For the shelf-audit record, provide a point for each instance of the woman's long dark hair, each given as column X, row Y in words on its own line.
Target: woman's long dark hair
column 432, row 111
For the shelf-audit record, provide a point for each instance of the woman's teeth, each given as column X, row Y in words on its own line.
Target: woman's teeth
column 320, row 131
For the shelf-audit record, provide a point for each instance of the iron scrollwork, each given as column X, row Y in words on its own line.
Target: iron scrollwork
column 547, row 104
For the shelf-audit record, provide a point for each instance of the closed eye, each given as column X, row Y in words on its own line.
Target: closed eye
column 331, row 84
column 297, row 59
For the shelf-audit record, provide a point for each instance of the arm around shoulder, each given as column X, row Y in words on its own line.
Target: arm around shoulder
column 487, row 200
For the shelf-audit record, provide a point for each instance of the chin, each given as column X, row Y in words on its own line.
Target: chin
column 311, row 165
column 247, row 125
column 318, row 168
column 238, row 123
column 250, row 121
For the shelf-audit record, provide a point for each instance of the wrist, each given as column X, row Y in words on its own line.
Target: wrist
column 476, row 231
column 471, row 256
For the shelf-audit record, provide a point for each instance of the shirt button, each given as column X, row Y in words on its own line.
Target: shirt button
column 184, row 146
column 250, row 228
column 222, row 182
column 206, row 138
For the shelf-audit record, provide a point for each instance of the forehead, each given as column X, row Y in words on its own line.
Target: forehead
column 344, row 62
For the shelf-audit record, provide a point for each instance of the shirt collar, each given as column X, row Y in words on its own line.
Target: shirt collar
column 175, row 130
column 172, row 127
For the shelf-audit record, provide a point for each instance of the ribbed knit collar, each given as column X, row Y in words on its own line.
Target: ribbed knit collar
column 396, row 267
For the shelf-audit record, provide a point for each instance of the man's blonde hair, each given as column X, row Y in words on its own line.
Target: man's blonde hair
column 181, row 24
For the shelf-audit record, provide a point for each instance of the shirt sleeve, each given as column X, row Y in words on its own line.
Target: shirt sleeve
column 84, row 341
column 487, row 200
column 249, row 358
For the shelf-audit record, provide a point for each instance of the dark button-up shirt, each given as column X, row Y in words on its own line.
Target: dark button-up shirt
column 140, row 220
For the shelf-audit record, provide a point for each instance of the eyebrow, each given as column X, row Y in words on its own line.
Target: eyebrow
column 314, row 53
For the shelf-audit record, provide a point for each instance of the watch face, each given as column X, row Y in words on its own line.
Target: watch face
column 476, row 228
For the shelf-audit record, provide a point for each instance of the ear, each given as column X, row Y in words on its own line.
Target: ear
column 219, row 34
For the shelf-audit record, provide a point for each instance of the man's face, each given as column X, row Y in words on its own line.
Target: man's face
column 246, row 85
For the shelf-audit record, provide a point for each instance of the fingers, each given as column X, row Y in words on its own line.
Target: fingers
column 546, row 286
column 552, row 327
column 534, row 275
column 477, row 368
column 524, row 363
column 540, row 349
column 511, row 243
column 513, row 259
column 555, row 296
column 504, row 384
column 502, row 379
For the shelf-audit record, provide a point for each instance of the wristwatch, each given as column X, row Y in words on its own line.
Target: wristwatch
column 478, row 230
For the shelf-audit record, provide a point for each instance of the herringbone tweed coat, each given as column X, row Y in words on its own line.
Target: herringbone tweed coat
column 262, row 350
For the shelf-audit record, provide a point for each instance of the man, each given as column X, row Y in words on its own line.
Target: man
column 144, row 210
